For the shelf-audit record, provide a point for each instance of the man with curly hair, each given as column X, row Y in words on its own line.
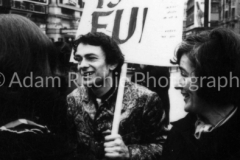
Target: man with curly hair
column 91, row 106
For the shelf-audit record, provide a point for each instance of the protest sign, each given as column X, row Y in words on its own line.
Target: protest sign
column 147, row 31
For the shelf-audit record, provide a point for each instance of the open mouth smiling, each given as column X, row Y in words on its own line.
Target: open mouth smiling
column 185, row 95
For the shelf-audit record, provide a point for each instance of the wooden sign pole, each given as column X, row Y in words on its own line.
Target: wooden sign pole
column 118, row 107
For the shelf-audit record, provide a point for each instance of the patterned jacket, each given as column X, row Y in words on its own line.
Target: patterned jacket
column 142, row 126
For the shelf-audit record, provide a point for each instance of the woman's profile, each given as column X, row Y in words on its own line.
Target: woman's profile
column 209, row 65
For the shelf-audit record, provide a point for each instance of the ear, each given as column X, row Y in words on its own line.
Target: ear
column 113, row 66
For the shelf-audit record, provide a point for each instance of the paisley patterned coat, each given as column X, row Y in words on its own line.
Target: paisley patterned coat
column 142, row 126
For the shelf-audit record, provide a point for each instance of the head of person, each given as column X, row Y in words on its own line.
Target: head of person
column 209, row 63
column 25, row 52
column 99, row 58
column 64, row 53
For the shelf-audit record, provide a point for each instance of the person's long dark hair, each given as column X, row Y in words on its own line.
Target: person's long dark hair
column 25, row 50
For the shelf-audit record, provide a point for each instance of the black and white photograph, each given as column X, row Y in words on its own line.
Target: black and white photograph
column 119, row 79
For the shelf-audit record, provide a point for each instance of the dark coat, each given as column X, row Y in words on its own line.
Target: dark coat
column 43, row 106
column 223, row 143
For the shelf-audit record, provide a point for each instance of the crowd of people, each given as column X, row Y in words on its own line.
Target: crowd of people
column 43, row 117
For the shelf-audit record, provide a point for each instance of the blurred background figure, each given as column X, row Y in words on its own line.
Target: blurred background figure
column 64, row 52
column 66, row 67
column 32, row 103
column 157, row 79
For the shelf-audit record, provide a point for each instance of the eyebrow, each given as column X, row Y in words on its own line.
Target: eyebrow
column 181, row 68
column 90, row 54
column 87, row 54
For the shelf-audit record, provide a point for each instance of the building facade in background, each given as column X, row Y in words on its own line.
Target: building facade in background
column 198, row 19
column 229, row 15
column 58, row 19
column 184, row 16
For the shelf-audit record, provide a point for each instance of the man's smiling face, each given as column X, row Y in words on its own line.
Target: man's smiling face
column 92, row 64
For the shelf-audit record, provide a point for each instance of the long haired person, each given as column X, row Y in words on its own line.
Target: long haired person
column 32, row 111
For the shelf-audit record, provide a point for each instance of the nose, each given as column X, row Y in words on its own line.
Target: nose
column 83, row 64
column 180, row 83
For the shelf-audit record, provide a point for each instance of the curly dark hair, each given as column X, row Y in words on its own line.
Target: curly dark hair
column 109, row 46
column 214, row 54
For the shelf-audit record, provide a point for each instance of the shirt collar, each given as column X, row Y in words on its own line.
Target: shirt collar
column 88, row 95
column 201, row 127
column 109, row 94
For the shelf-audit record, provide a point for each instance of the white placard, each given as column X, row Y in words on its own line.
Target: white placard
column 147, row 31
